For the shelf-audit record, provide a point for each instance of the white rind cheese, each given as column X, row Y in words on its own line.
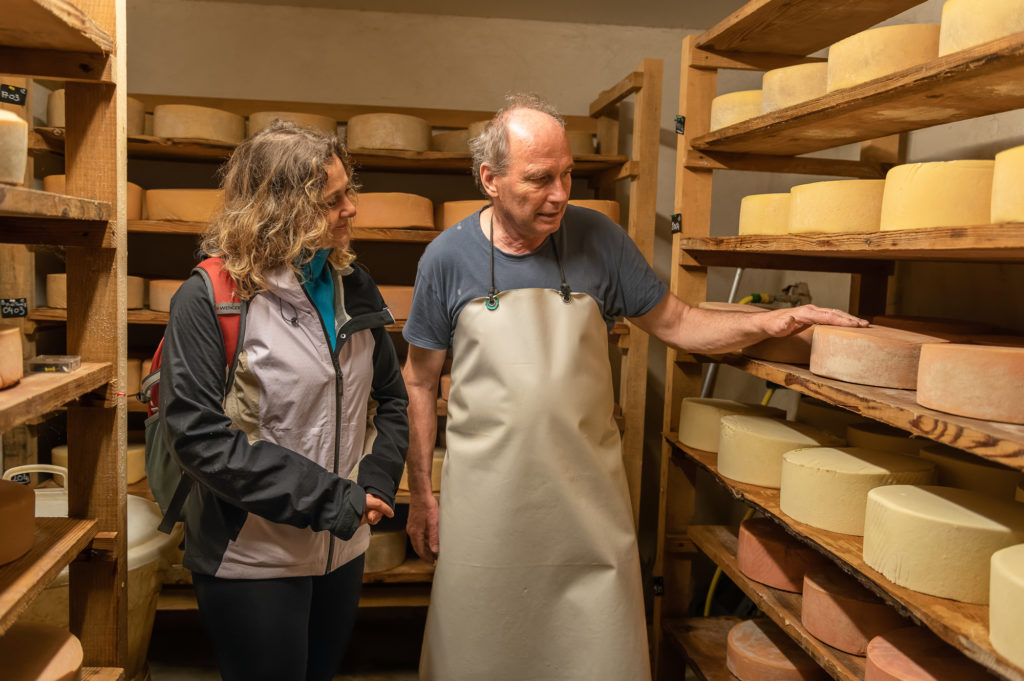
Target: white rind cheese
column 262, row 119
column 836, row 206
column 388, row 131
column 734, row 107
column 750, row 448
column 386, row 551
column 764, row 214
column 185, row 121
column 966, row 23
column 1006, row 599
column 13, row 148
column 880, row 51
column 937, row 194
column 699, row 419
column 957, row 468
column 793, row 85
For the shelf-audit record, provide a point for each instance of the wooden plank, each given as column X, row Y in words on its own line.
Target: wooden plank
column 54, row 25
column 394, row 596
column 701, row 641
column 102, row 674
column 412, row 571
column 783, row 607
column 966, row 84
column 775, row 261
column 803, row 165
column 32, row 203
column 748, row 61
column 796, row 26
column 39, row 393
column 610, row 98
column 57, row 542
column 56, row 64
column 57, row 232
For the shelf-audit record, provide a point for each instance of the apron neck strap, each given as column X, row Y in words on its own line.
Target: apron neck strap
column 492, row 293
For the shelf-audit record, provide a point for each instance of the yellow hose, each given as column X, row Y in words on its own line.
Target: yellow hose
column 767, row 397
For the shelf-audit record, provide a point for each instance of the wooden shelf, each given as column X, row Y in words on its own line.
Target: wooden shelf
column 57, row 542
column 30, row 216
column 962, row 625
column 999, row 442
column 962, row 85
column 51, row 25
column 701, row 641
column 37, row 393
column 413, row 571
column 358, row 234
column 988, row 243
column 102, row 674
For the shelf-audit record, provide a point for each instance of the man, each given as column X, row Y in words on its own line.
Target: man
column 537, row 570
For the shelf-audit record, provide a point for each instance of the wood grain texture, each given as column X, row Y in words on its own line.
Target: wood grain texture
column 57, row 64
column 701, row 641
column 609, row 99
column 39, row 393
column 53, row 25
column 724, row 160
column 102, row 674
column 32, row 203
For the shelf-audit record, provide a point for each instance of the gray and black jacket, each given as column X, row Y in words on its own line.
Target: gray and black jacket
column 283, row 462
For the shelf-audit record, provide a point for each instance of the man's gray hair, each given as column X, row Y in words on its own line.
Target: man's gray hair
column 491, row 146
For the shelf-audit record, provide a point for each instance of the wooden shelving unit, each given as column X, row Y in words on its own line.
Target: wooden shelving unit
column 700, row 643
column 38, row 394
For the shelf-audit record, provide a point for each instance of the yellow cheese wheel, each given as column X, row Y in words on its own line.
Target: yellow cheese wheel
column 40, row 652
column 185, row 121
column 734, row 107
column 451, row 141
column 11, row 362
column 133, row 375
column 262, row 119
column 191, row 205
column 135, row 460
column 476, row 128
column 398, row 300
column 792, row 85
column 436, row 466
column 609, row 208
column 700, row 419
column 768, row 554
column 836, row 609
column 160, row 293
column 883, row 437
column 826, row 416
column 453, row 212
column 386, row 551
column 133, row 194
column 764, row 214
column 55, row 109
column 136, row 293
column 909, row 531
column 937, row 194
column 875, row 355
column 13, row 148
column 980, row 381
column 1006, row 599
column 836, row 206
column 1007, row 178
column 957, row 468
column 880, row 51
column 757, row 650
column 915, row 654
column 388, row 131
column 17, row 520
column 580, row 143
column 966, row 23
column 57, row 290
column 393, row 210
column 750, row 448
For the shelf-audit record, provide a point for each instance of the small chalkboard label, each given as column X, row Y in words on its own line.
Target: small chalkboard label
column 677, row 223
column 13, row 307
column 9, row 94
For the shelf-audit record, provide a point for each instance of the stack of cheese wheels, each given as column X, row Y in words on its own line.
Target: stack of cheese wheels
column 185, row 121
column 11, row 365
column 133, row 194
column 580, row 143
column 386, row 550
column 388, row 131
column 436, row 466
column 734, row 107
column 750, row 448
column 57, row 290
column 825, row 415
column 17, row 520
column 876, row 355
column 136, row 294
column 885, row 438
column 700, row 417
column 40, row 652
column 764, row 214
column 937, row 194
column 957, row 468
column 795, row 349
column 836, row 206
column 1006, row 603
column 262, row 119
column 758, row 649
column 398, row 300
column 965, row 23
column 979, row 381
column 13, row 148
column 609, row 208
column 938, row 540
column 836, row 609
column 190, row 205
column 880, row 51
column 160, row 293
column 792, row 85
column 446, row 386
column 390, row 210
column 135, row 120
column 1007, row 203
column 768, row 554
column 827, row 487
column 135, row 460
column 456, row 141
column 913, row 654
column 452, row 212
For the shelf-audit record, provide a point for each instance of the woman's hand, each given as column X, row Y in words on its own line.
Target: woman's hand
column 375, row 510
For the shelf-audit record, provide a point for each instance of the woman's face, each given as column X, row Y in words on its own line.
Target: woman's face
column 341, row 210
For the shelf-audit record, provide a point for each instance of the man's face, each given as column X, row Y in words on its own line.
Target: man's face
column 531, row 197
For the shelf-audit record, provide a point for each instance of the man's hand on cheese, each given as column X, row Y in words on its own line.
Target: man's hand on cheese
column 790, row 320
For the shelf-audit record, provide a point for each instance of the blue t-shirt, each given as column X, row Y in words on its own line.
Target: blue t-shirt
column 598, row 256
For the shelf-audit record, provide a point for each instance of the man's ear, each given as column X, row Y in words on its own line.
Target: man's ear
column 487, row 180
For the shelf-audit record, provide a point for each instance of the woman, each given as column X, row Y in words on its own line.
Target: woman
column 305, row 449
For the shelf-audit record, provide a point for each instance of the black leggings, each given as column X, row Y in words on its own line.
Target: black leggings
column 285, row 629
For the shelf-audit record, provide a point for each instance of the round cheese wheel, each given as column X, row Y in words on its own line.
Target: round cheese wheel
column 388, row 131
column 40, row 652
column 135, row 121
column 1007, row 176
column 699, row 419
column 57, row 290
column 758, row 650
column 764, row 214
column 768, row 554
column 734, row 107
column 133, row 373
column 17, row 520
column 882, row 437
column 826, row 416
column 750, row 448
column 836, row 206
column 792, row 85
column 55, row 109
column 979, row 381
column 966, row 23
column 135, row 460
column 913, row 654
column 190, row 205
column 185, row 121
column 1006, row 599
column 827, row 487
column 957, row 468
column 262, row 119
column 837, row 610
column 392, row 210
column 580, row 143
column 880, row 51
column 910, row 532
column 398, row 300
column 937, row 194
column 476, row 128
column 608, row 208
column 160, row 293
column 13, row 147
column 453, row 141
column 11, row 361
column 437, row 465
column 133, row 194
column 453, row 212
column 136, row 293
column 385, row 552
column 875, row 355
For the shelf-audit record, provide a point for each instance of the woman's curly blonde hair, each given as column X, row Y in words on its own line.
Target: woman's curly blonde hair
column 275, row 213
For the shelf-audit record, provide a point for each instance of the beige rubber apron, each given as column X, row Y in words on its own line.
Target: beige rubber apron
column 538, row 577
